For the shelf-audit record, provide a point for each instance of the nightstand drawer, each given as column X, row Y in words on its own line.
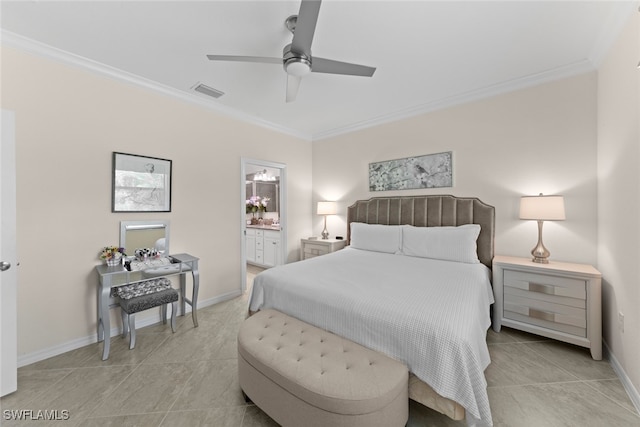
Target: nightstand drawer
column 545, row 286
column 543, row 297
column 312, row 249
column 558, row 317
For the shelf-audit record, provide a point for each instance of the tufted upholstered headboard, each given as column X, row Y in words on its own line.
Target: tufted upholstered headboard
column 429, row 211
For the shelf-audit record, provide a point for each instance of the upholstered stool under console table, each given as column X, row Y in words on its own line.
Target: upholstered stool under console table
column 141, row 296
column 301, row 375
column 557, row 300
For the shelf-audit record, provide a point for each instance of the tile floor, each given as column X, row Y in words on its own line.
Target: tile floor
column 189, row 379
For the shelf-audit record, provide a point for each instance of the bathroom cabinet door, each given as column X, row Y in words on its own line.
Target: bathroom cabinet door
column 251, row 245
column 271, row 248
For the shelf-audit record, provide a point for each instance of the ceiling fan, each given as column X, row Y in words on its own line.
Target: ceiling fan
column 296, row 56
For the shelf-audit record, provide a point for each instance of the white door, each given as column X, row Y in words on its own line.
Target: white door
column 8, row 262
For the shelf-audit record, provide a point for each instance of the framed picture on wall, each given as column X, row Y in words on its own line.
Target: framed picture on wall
column 140, row 184
column 428, row 171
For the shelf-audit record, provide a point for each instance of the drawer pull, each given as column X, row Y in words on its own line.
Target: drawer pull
column 543, row 289
column 542, row 315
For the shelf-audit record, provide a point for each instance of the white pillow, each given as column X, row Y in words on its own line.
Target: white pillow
column 376, row 237
column 445, row 243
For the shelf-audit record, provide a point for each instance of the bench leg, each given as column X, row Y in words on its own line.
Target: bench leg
column 163, row 313
column 132, row 327
column 125, row 324
column 174, row 308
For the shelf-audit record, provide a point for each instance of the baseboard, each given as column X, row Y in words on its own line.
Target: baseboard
column 46, row 353
column 624, row 379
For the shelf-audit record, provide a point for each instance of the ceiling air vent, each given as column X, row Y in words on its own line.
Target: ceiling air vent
column 209, row 91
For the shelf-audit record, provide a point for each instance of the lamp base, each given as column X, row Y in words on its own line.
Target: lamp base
column 540, row 253
column 325, row 233
column 540, row 260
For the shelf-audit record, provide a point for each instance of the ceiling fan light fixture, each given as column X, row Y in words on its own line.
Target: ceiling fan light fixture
column 296, row 56
column 298, row 67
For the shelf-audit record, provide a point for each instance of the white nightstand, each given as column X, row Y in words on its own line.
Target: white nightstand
column 312, row 248
column 556, row 300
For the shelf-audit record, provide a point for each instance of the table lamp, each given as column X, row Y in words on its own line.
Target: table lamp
column 326, row 208
column 541, row 208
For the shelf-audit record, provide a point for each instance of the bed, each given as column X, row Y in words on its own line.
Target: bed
column 414, row 283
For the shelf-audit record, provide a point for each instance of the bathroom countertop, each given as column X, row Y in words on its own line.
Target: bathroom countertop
column 275, row 227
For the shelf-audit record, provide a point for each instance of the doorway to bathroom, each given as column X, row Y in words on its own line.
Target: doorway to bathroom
column 263, row 225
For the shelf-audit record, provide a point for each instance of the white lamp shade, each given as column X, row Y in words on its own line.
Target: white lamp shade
column 327, row 208
column 542, row 208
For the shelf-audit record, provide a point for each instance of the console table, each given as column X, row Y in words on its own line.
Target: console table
column 118, row 275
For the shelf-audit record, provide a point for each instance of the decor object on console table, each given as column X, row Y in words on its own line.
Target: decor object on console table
column 310, row 248
column 112, row 255
column 557, row 300
column 326, row 208
column 541, row 208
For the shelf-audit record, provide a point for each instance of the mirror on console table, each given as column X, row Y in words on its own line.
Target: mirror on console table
column 144, row 234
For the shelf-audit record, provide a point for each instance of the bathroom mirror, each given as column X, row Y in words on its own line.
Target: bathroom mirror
column 265, row 182
column 144, row 234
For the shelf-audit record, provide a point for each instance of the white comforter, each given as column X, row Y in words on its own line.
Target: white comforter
column 432, row 315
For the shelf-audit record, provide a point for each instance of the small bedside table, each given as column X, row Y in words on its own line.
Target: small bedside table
column 556, row 300
column 313, row 248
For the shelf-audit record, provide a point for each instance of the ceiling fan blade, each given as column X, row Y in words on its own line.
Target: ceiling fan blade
column 261, row 59
column 322, row 65
column 305, row 27
column 293, row 83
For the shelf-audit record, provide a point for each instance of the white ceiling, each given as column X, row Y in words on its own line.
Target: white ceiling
column 428, row 54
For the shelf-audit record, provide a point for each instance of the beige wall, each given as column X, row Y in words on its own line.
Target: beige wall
column 541, row 139
column 68, row 123
column 619, row 197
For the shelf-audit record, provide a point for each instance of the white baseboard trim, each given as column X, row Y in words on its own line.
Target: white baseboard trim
column 46, row 353
column 624, row 379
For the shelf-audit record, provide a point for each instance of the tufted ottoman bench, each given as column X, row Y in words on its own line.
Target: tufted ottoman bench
column 301, row 375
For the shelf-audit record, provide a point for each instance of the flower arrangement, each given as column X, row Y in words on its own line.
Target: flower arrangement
column 112, row 254
column 257, row 204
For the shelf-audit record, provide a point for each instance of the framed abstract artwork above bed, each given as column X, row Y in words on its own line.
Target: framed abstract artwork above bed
column 428, row 171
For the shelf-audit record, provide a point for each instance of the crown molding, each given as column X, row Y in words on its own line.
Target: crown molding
column 611, row 31
column 16, row 41
column 604, row 41
column 577, row 68
column 618, row 19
